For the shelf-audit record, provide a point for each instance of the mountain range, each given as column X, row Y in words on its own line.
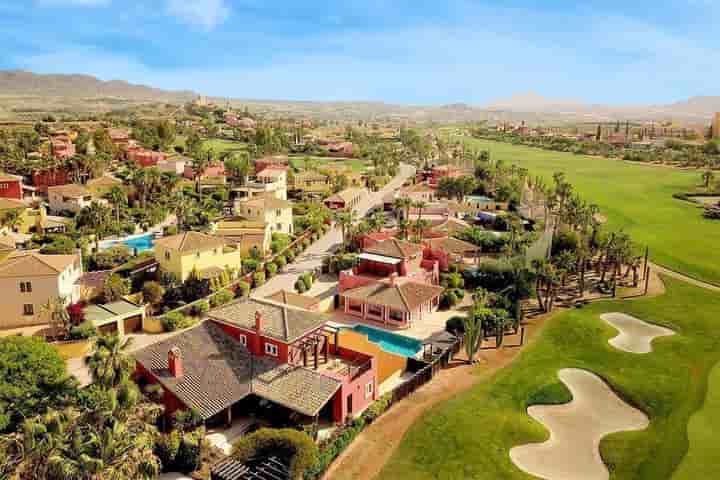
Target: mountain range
column 86, row 93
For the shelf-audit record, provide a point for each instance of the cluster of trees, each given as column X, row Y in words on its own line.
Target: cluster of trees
column 154, row 135
column 104, row 431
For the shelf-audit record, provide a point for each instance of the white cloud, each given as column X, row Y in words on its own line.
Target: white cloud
column 73, row 3
column 203, row 13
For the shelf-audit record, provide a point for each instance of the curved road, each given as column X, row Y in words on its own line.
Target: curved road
column 312, row 258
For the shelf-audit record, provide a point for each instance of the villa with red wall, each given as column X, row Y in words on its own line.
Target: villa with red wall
column 259, row 348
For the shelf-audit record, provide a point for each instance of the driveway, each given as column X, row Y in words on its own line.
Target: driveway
column 327, row 244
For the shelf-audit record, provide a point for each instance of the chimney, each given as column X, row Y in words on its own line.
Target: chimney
column 175, row 364
column 254, row 341
column 258, row 321
column 393, row 278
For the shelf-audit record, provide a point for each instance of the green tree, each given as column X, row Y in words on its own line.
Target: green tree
column 109, row 363
column 115, row 288
column 33, row 379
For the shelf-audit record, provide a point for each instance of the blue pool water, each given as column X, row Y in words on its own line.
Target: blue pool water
column 390, row 342
column 135, row 244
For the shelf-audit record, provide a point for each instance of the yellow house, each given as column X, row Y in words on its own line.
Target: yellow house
column 209, row 255
column 245, row 234
column 270, row 211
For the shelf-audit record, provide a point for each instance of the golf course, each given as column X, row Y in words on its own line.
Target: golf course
column 636, row 198
column 673, row 379
column 470, row 436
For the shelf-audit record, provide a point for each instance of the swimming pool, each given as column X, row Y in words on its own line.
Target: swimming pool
column 390, row 342
column 136, row 244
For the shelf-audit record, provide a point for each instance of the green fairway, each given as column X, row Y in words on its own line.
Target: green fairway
column 637, row 198
column 703, row 458
column 471, row 435
column 221, row 146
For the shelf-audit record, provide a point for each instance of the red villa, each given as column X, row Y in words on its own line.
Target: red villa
column 254, row 350
column 391, row 284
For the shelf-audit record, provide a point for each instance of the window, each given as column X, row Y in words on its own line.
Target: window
column 279, row 226
column 167, row 255
column 271, row 349
column 197, row 255
column 243, row 340
column 28, row 309
column 25, row 287
column 278, row 212
column 369, row 389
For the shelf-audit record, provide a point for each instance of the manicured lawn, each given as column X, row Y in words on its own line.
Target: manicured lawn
column 637, row 198
column 703, row 457
column 471, row 435
column 354, row 163
column 220, row 146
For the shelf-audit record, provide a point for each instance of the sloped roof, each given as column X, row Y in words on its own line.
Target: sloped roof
column 267, row 202
column 452, row 245
column 188, row 242
column 281, row 322
column 70, row 190
column 104, row 181
column 218, row 371
column 7, row 243
column 346, row 195
column 293, row 299
column 404, row 297
column 35, row 264
column 9, row 203
column 392, row 247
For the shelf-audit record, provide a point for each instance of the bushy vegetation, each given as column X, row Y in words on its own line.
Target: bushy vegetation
column 296, row 449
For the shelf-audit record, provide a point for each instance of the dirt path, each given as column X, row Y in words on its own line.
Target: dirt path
column 371, row 450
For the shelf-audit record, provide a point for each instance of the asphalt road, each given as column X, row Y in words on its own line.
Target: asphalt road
column 312, row 257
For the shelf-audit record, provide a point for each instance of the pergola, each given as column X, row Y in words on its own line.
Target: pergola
column 269, row 468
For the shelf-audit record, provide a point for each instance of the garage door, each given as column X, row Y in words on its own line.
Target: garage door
column 108, row 328
column 133, row 324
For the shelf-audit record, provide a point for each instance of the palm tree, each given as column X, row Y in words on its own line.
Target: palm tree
column 109, row 365
column 376, row 221
column 118, row 198
column 12, row 220
column 345, row 219
column 403, row 204
column 404, row 225
column 707, row 177
column 58, row 316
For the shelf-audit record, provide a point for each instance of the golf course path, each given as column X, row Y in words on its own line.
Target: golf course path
column 576, row 428
column 684, row 278
column 635, row 335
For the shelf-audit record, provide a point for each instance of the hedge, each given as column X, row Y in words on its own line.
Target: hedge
column 294, row 447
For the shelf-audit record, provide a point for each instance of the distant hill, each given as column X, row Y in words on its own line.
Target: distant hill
column 26, row 95
column 20, row 83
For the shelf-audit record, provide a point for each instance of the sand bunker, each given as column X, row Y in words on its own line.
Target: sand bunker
column 576, row 428
column 635, row 335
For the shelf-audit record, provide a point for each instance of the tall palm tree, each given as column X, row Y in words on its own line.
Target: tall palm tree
column 345, row 219
column 109, row 364
column 118, row 198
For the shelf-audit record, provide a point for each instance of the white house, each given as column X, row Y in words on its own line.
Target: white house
column 69, row 198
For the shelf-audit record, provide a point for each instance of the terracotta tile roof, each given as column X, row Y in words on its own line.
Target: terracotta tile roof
column 95, row 280
column 281, row 322
column 9, row 203
column 395, row 248
column 104, row 181
column 267, row 202
column 35, row 264
column 346, row 195
column 404, row 297
column 70, row 190
column 188, row 242
column 218, row 371
column 452, row 245
column 293, row 299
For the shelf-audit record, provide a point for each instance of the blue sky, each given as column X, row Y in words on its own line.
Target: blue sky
column 399, row 51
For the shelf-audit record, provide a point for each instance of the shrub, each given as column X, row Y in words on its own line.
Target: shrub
column 249, row 265
column 271, row 270
column 172, row 321
column 448, row 299
column 280, row 261
column 189, row 452
column 290, row 255
column 195, row 288
column 186, row 420
column 455, row 325
column 166, row 449
column 152, row 292
column 377, row 408
column 115, row 288
column 199, row 308
column 61, row 245
column 293, row 447
column 258, row 279
column 221, row 298
column 243, row 289
column 112, row 257
column 300, row 286
column 83, row 331
column 452, row 280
